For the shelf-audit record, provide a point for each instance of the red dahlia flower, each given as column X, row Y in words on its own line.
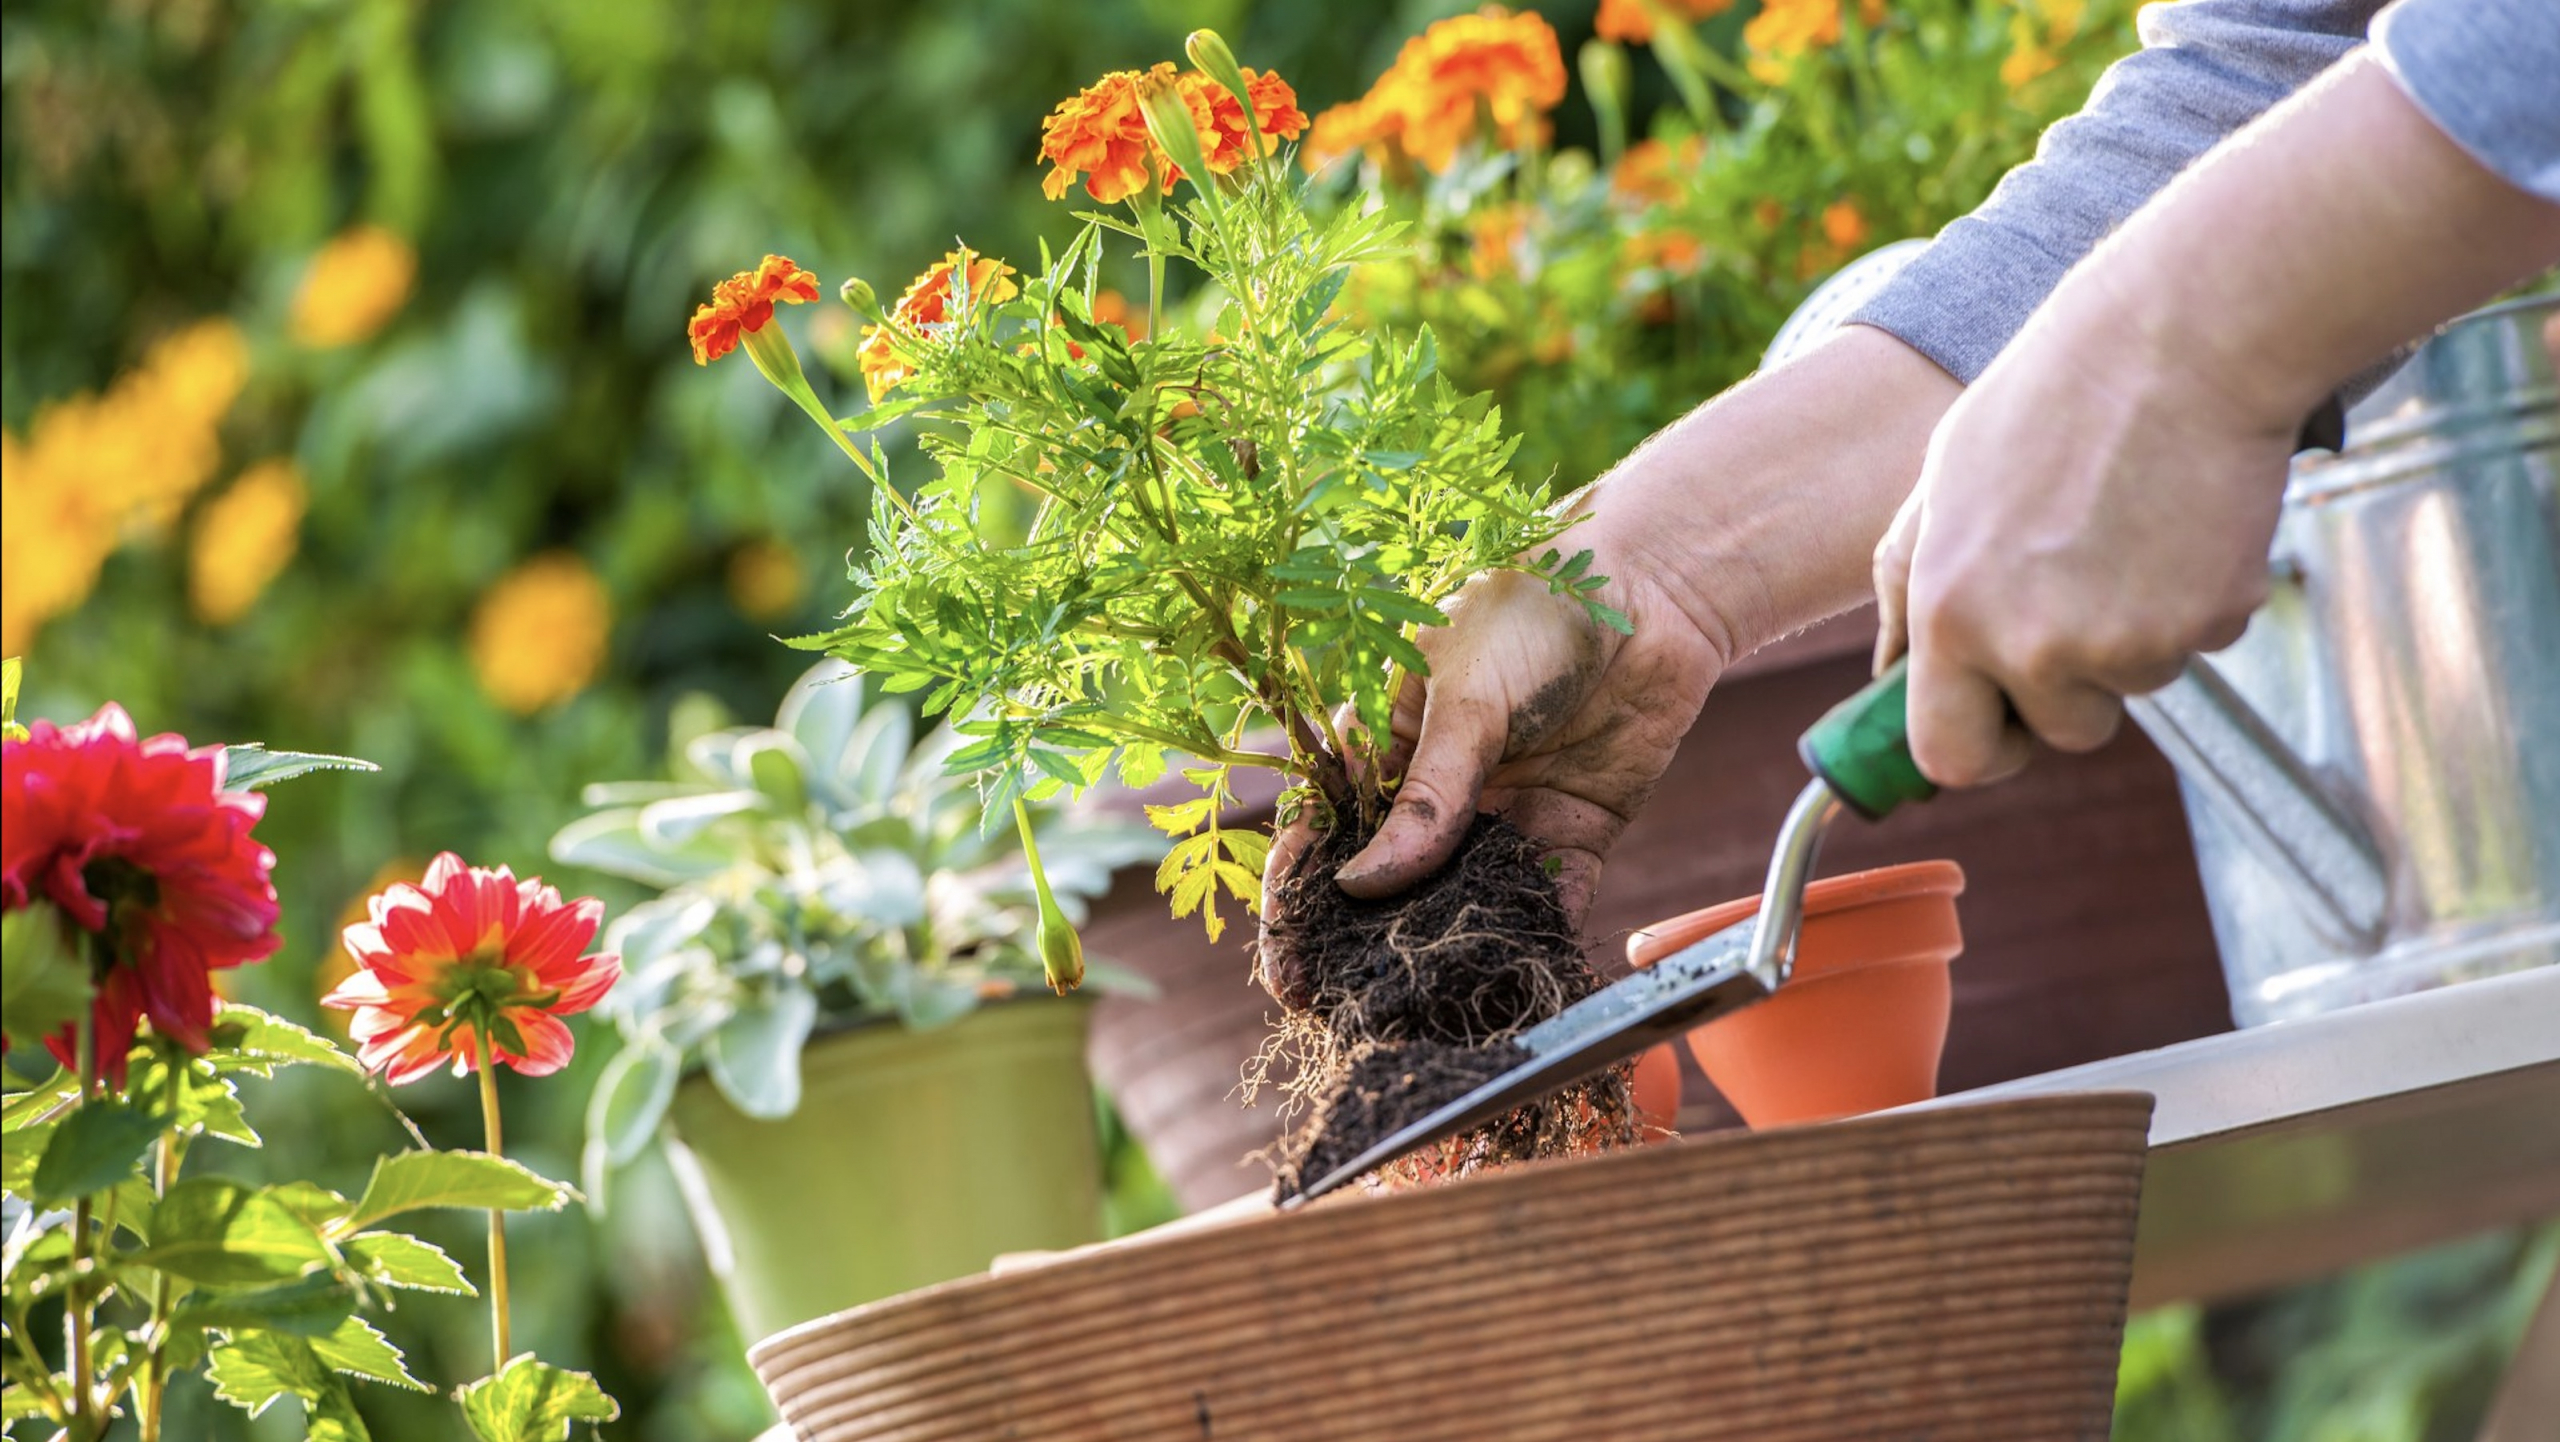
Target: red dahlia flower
column 467, row 953
column 141, row 848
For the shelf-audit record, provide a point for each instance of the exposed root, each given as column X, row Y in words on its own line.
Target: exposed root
column 1394, row 1008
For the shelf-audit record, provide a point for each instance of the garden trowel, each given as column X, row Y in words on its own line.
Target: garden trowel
column 1860, row 759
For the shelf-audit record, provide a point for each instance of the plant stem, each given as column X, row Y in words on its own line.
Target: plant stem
column 83, row 1299
column 150, row 1385
column 497, row 1218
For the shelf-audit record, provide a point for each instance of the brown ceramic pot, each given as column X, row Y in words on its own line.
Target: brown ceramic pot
column 1861, row 1023
column 1955, row 1273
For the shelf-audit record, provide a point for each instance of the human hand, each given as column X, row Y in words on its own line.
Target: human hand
column 1749, row 519
column 2099, row 504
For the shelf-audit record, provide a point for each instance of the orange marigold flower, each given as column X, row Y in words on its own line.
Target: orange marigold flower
column 983, row 281
column 1507, row 67
column 1786, row 29
column 743, row 303
column 1110, row 307
column 473, row 967
column 1223, row 138
column 1101, row 134
column 1496, row 236
column 1655, row 172
column 1843, row 226
column 1632, row 20
column 1671, row 251
column 1355, row 125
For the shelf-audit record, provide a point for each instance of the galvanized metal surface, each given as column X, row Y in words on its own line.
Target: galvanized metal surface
column 2290, row 1151
column 2411, row 652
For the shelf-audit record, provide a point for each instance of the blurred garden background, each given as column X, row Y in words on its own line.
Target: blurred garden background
column 348, row 409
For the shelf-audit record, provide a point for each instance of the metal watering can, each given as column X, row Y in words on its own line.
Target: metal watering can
column 2372, row 773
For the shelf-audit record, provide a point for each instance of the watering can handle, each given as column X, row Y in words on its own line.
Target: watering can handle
column 1861, row 749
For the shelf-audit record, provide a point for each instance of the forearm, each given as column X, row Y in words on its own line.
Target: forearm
column 2343, row 225
column 1760, row 511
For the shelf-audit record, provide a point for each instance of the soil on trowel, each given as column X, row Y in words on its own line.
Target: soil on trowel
column 1394, row 1008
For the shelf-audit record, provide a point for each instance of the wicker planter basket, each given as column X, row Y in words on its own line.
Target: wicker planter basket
column 1958, row 1272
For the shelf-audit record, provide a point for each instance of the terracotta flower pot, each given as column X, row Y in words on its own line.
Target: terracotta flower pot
column 1860, row 1026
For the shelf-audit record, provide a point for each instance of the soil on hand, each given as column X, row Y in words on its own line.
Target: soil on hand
column 1397, row 1007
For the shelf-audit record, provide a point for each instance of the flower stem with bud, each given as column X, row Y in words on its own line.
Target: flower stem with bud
column 1061, row 950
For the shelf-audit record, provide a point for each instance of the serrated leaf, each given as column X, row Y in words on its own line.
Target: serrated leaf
column 530, row 1401
column 357, row 1349
column 90, row 1150
column 252, row 1370
column 312, row 1306
column 395, row 1259
column 411, row 1181
column 248, row 766
column 270, row 1038
column 216, row 1232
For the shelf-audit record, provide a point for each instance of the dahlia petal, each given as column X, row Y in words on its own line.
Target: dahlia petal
column 590, row 986
column 548, row 1043
column 554, row 936
column 362, row 988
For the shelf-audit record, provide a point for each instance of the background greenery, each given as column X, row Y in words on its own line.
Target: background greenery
column 573, row 174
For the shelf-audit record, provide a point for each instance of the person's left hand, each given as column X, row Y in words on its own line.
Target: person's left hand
column 2091, row 513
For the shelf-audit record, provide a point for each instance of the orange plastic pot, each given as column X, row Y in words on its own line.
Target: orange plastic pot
column 1860, row 1025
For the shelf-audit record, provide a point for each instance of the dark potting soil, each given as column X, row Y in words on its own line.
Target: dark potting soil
column 1394, row 1008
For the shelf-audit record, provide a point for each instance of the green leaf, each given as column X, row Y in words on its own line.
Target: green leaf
column 20, row 1150
column 408, row 1181
column 248, row 766
column 19, row 1402
column 214, row 1231
column 395, row 1259
column 312, row 1306
column 270, row 1038
column 354, row 1347
column 25, row 1107
column 251, row 1370
column 530, row 1401
column 44, row 985
column 310, row 1201
column 631, row 1098
column 755, row 1055
column 91, row 1150
column 10, row 671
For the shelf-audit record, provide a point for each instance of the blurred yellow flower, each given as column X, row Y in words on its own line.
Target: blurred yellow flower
column 94, row 466
column 765, row 579
column 1786, row 29
column 538, row 636
column 2037, row 30
column 353, row 288
column 243, row 540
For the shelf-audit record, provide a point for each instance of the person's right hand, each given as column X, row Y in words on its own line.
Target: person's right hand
column 1753, row 517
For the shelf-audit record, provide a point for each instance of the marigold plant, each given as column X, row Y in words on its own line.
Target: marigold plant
column 1243, row 522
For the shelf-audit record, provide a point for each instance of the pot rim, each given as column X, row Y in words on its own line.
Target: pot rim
column 1827, row 896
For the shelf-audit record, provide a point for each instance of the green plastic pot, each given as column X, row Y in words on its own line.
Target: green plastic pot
column 915, row 1157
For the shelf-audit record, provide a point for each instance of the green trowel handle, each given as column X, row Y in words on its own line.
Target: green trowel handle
column 1862, row 748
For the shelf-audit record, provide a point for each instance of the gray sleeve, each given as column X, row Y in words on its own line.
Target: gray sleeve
column 2207, row 67
column 2487, row 72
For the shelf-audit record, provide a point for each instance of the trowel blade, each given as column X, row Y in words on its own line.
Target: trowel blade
column 1690, row 986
